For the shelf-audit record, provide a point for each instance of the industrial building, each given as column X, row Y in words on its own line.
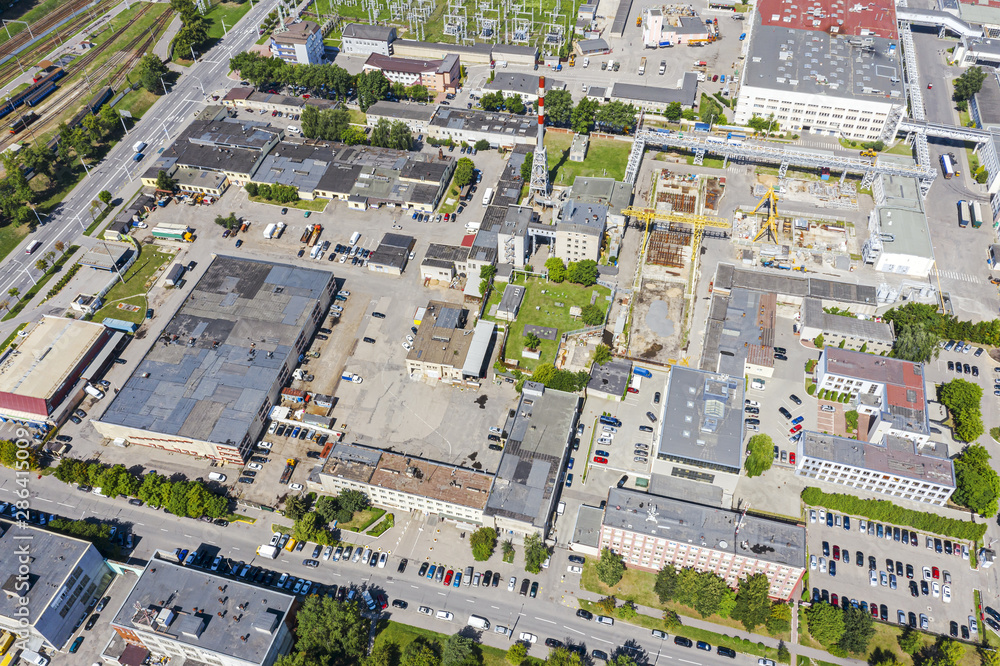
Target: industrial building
column 874, row 337
column 524, row 86
column 192, row 615
column 580, row 231
column 41, row 374
column 362, row 40
column 538, row 434
column 48, row 581
column 206, row 386
column 834, row 70
column 108, row 256
column 656, row 99
column 415, row 116
column 299, row 43
column 652, row 531
column 899, row 238
column 501, row 130
column 438, row 76
column 392, row 254
column 615, row 195
column 610, row 380
column 444, row 262
column 445, row 348
column 740, row 333
column 406, row 483
column 896, row 467
column 699, row 429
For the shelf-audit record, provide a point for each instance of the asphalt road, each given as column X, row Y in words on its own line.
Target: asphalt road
column 161, row 124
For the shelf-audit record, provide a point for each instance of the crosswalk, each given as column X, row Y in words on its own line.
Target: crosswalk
column 956, row 275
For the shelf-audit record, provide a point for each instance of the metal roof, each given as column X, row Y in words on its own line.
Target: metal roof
column 478, row 352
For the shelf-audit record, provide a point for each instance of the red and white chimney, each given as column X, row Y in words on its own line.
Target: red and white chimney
column 541, row 101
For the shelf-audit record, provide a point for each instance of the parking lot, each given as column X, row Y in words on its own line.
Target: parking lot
column 852, row 579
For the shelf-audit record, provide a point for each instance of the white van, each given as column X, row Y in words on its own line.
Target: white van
column 215, row 476
column 355, row 237
column 479, row 622
column 33, row 657
column 96, row 392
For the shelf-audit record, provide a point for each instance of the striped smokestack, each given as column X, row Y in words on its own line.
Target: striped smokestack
column 541, row 101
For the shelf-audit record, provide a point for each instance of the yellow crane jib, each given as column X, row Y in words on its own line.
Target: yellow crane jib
column 699, row 222
column 770, row 226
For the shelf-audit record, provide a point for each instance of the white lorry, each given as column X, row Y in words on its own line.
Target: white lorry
column 269, row 230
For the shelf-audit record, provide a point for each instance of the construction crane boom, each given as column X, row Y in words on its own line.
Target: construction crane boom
column 699, row 222
column 770, row 226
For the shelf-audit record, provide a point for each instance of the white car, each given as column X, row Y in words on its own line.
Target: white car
column 272, row 427
column 424, row 610
column 140, row 225
column 409, row 338
column 752, row 428
column 527, row 638
column 295, row 486
column 946, row 594
column 812, row 562
column 275, row 538
column 357, row 379
column 382, row 560
column 812, row 515
column 407, row 346
column 873, row 578
column 327, row 553
column 936, row 589
column 828, row 408
column 445, row 615
column 751, row 403
column 254, row 465
column 574, row 569
column 512, row 583
column 822, row 565
column 495, row 430
column 265, row 445
column 502, row 630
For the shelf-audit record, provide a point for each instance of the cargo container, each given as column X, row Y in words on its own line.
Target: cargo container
column 119, row 325
column 173, row 232
column 976, row 214
column 138, row 146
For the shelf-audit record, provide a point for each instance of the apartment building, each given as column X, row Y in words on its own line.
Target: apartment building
column 438, row 76
column 896, row 467
column 651, row 531
column 300, row 43
column 824, row 70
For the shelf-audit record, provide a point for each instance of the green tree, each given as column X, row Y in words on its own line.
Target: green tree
column 858, row 630
column 165, row 182
column 483, row 542
column 753, row 608
column 354, row 136
column 673, row 112
column 419, row 653
column 988, row 656
column 780, row 619
column 532, row 341
column 400, row 136
column 914, row 343
column 459, row 651
column 826, row 623
column 150, row 71
column 353, row 500
column 963, row 399
column 622, row 660
column 584, row 113
column 385, row 654
column 784, row 655
column 968, row 84
column 616, row 117
column 251, row 189
column 558, row 107
column 486, row 275
column 610, row 568
column 556, row 269
column 372, row 86
column 977, row 485
column 380, row 133
column 582, row 272
column 333, row 632
column 535, row 552
column 761, row 455
column 105, row 197
column 818, row 341
column 482, row 144
column 592, row 315
column 602, row 354
column 464, row 171
column 762, row 125
column 514, row 104
column 909, row 641
column 517, row 653
column 526, row 165
column 561, row 656
column 492, row 101
column 951, row 651
column 666, row 584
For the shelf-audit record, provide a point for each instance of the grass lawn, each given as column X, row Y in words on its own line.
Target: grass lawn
column 362, row 520
column 358, row 117
column 315, row 205
column 901, row 149
column 710, row 162
column 137, row 103
column 451, row 200
column 605, row 157
column 546, row 314
column 138, row 280
column 230, row 12
column 11, row 237
column 403, row 634
column 30, row 16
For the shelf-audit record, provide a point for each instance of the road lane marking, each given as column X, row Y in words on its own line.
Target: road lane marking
column 69, row 505
column 542, row 619
column 573, row 630
column 689, row 662
column 42, row 499
column 442, row 594
column 602, row 640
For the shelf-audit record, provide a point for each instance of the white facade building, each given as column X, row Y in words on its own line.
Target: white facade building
column 362, row 40
column 301, row 43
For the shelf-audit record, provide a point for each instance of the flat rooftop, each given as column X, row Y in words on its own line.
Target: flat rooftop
column 686, row 94
column 524, row 84
column 899, row 457
column 745, row 331
column 872, row 368
column 688, row 523
column 702, row 421
column 45, row 357
column 876, row 18
column 53, row 558
column 608, row 191
column 538, row 434
column 222, row 352
column 491, row 122
column 583, row 218
column 903, row 220
column 442, row 337
column 166, row 595
column 105, row 255
column 728, row 276
column 610, row 378
column 863, row 329
column 418, row 112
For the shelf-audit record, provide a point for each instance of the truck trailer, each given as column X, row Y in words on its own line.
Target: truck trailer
column 173, row 232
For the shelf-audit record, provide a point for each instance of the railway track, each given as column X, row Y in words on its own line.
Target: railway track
column 11, row 69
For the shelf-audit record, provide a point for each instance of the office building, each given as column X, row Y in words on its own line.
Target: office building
column 580, row 231
column 360, row 39
column 48, row 582
column 651, row 531
column 831, row 70
column 299, row 43
column 895, row 467
column 438, row 76
column 207, row 384
column 656, row 99
column 538, row 434
column 874, row 337
column 445, row 348
column 191, row 615
column 501, row 130
column 406, row 483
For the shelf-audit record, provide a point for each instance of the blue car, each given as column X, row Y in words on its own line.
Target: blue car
column 432, row 571
column 833, row 568
column 569, row 465
column 829, row 519
column 414, row 215
column 569, row 480
column 797, row 420
column 295, row 432
column 458, row 579
column 847, row 523
column 182, row 555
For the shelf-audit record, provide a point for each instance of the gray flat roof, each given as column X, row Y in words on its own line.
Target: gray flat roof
column 538, row 437
column 469, row 120
column 988, row 101
column 106, row 255
column 610, row 378
column 903, row 217
column 512, row 297
column 809, row 62
column 583, row 218
column 447, row 253
column 228, row 344
column 729, row 276
column 742, row 327
column 383, row 109
column 593, row 45
column 702, row 422
column 897, row 456
column 587, row 531
column 813, row 316
column 608, row 191
column 686, row 522
column 299, row 165
column 524, row 84
column 478, row 354
column 687, row 94
column 179, row 590
column 370, row 32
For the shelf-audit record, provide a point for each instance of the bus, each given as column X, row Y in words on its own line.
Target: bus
column 947, row 170
column 976, row 214
column 32, row 246
column 963, row 221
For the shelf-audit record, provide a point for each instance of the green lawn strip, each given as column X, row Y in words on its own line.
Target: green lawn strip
column 314, row 205
column 901, row 149
column 739, row 644
column 404, row 634
column 10, row 338
column 802, row 661
column 637, row 586
column 138, row 281
column 383, row 526
column 10, row 237
column 362, row 520
column 358, row 117
column 230, row 12
column 451, row 200
column 63, row 281
column 710, row 162
column 605, row 157
column 590, row 449
column 37, row 287
column 136, row 102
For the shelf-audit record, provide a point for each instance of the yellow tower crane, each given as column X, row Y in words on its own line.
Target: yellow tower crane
column 699, row 222
column 770, row 226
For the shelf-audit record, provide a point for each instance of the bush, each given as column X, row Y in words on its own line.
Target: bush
column 811, row 389
column 887, row 512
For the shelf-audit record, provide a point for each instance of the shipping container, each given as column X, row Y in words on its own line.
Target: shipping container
column 976, row 214
column 947, row 170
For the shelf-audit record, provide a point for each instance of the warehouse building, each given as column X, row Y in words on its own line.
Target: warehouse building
column 652, row 531
column 899, row 238
column 192, row 615
column 896, row 467
column 391, row 254
column 207, row 385
column 740, row 334
column 48, row 581
column 445, row 348
column 656, row 99
column 444, row 262
column 40, row 376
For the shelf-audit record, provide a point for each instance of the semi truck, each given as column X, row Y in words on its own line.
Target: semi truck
column 176, row 232
column 976, row 214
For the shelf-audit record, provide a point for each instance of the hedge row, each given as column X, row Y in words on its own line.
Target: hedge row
column 833, row 396
column 63, row 281
column 887, row 512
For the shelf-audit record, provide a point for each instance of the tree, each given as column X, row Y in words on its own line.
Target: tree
column 761, row 456
column 165, row 182
column 582, row 118
column 354, row 136
column 492, row 101
column 826, row 623
column 951, row 651
column 526, row 166
column 666, row 584
column 419, row 653
column 602, row 354
column 486, row 275
column 353, row 500
column 459, row 651
column 150, row 71
column 963, row 398
column 977, row 485
column 561, row 656
column 909, row 641
column 251, row 189
column 482, row 144
column 296, row 507
column 516, row 654
column 914, row 343
column 464, row 171
column 104, row 197
column 753, row 608
column 372, row 87
column 14, row 293
column 761, row 125
column 673, row 112
column 610, row 568
column 592, row 315
column 616, row 117
column 556, row 269
column 42, row 265
column 514, row 104
column 483, row 542
column 558, row 107
column 968, row 84
column 622, row 659
column 386, row 654
column 418, row 93
column 400, row 136
column 508, row 550
column 582, row 272
column 535, row 552
column 780, row 619
column 710, row 111
column 858, row 630
column 818, row 341
column 988, row 656
column 532, row 341
column 380, row 133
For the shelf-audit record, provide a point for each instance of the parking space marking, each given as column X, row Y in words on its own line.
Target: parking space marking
column 689, row 662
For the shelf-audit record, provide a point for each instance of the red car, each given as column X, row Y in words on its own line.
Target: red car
column 935, row 573
column 795, row 428
column 599, row 459
column 447, row 216
column 632, row 389
column 791, row 457
column 307, row 96
column 382, row 601
column 274, row 113
column 836, row 552
column 834, row 599
column 448, row 577
column 874, row 610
